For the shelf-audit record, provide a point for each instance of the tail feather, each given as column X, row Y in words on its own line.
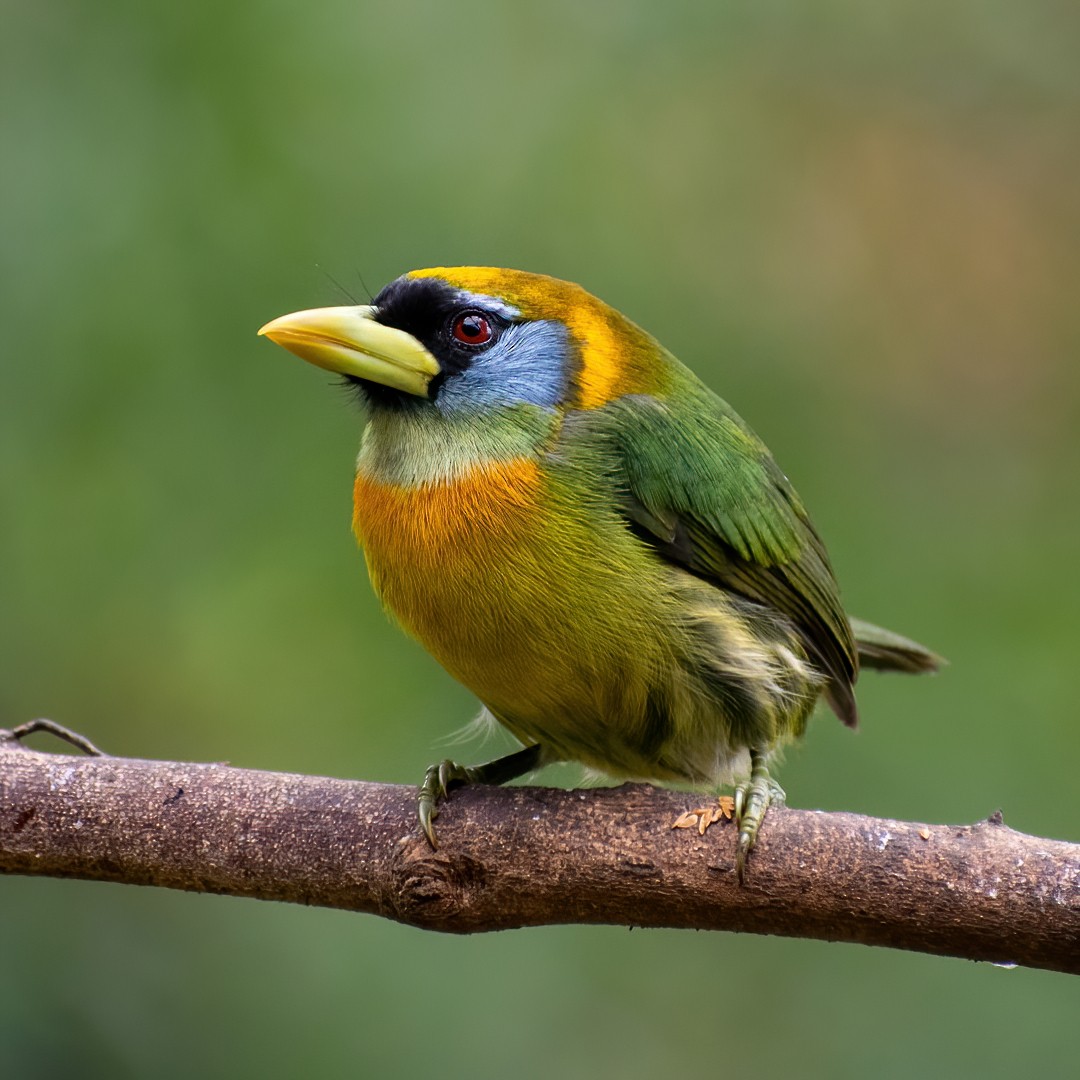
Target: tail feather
column 886, row 651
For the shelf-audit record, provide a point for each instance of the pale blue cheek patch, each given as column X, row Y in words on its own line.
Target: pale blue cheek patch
column 528, row 365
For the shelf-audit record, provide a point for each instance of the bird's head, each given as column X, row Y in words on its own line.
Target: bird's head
column 470, row 338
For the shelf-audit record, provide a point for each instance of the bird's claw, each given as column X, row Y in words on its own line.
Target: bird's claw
column 438, row 781
column 753, row 797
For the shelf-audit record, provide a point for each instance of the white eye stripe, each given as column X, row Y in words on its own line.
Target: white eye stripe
column 491, row 304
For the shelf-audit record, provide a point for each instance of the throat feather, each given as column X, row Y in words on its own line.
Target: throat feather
column 424, row 447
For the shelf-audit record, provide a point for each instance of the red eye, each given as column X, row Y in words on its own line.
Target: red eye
column 471, row 329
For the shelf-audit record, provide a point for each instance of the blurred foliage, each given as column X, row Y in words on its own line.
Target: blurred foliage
column 860, row 223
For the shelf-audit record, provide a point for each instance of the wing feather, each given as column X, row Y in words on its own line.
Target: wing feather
column 705, row 492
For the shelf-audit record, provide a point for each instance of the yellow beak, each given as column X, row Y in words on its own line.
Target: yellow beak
column 348, row 340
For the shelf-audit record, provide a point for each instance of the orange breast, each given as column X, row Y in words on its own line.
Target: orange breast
column 453, row 560
column 421, row 527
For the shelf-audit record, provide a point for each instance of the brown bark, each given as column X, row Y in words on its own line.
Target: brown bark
column 526, row 856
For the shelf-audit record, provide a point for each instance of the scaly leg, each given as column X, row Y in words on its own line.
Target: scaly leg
column 439, row 779
column 753, row 798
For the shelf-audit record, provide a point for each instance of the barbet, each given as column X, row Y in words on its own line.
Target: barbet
column 587, row 537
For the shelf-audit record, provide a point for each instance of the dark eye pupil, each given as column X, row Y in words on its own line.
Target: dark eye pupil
column 472, row 329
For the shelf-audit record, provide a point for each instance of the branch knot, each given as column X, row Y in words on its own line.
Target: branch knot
column 429, row 888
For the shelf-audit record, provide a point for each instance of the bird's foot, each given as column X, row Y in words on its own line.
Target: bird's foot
column 438, row 782
column 753, row 797
column 440, row 779
column 704, row 816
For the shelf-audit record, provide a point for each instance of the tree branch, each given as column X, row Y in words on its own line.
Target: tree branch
column 527, row 856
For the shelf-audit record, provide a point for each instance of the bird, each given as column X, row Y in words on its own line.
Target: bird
column 587, row 537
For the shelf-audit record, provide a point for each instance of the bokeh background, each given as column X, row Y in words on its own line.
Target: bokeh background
column 859, row 222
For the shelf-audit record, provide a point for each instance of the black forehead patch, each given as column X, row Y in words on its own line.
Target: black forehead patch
column 419, row 306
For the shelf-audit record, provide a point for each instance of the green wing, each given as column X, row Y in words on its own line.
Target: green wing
column 705, row 491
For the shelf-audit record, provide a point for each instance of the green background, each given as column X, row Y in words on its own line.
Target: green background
column 859, row 222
